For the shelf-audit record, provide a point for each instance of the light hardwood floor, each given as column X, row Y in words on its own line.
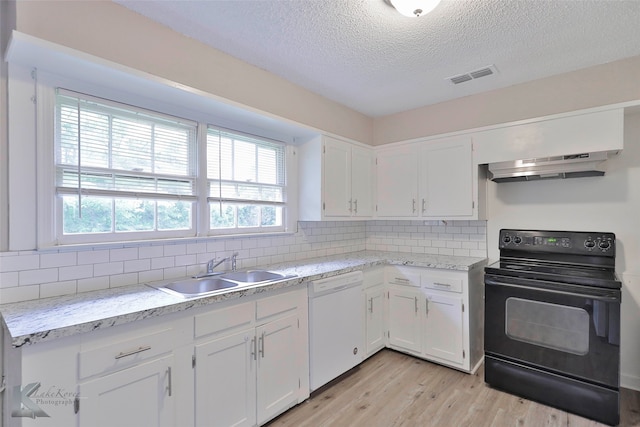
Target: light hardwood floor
column 393, row 389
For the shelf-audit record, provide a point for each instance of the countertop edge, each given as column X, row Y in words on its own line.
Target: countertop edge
column 324, row 267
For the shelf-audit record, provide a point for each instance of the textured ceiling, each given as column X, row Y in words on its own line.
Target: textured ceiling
column 365, row 55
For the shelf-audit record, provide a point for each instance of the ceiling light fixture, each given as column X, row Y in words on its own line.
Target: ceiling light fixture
column 414, row 8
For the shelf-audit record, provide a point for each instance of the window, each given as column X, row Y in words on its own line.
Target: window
column 122, row 173
column 246, row 177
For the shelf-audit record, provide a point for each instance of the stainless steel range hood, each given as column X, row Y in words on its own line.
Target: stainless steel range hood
column 570, row 166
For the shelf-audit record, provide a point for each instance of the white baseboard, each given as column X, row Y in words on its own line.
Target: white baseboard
column 630, row 381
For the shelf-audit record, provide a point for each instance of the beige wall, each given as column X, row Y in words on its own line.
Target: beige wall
column 112, row 32
column 605, row 84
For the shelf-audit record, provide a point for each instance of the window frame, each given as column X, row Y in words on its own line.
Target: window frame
column 49, row 233
column 212, row 200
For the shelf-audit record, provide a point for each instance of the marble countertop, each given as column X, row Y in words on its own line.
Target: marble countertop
column 40, row 320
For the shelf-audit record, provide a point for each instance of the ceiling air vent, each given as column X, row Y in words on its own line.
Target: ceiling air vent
column 476, row 74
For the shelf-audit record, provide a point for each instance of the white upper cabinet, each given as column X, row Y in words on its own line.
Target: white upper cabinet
column 397, row 181
column 446, row 182
column 552, row 136
column 336, row 180
column 433, row 179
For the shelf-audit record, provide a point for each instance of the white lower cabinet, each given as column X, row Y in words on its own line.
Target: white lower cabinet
column 444, row 328
column 138, row 396
column 405, row 319
column 437, row 314
column 249, row 361
column 225, row 381
column 278, row 372
column 228, row 364
column 375, row 323
column 374, row 320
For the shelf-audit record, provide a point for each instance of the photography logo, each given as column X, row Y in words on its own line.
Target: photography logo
column 22, row 405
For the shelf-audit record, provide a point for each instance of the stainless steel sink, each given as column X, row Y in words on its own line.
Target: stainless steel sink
column 254, row 276
column 189, row 288
column 201, row 286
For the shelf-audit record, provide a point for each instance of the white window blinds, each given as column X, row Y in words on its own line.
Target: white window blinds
column 241, row 168
column 107, row 149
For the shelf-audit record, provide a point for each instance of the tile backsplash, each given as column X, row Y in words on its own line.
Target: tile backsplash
column 28, row 275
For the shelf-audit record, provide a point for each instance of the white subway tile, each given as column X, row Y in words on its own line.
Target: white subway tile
column 151, row 276
column 123, row 254
column 119, row 280
column 19, row 262
column 9, row 279
column 93, row 284
column 175, row 272
column 150, row 252
column 196, row 248
column 75, row 272
column 108, row 268
column 36, row 277
column 137, row 265
column 174, row 250
column 164, row 262
column 215, row 246
column 58, row 259
column 57, row 289
column 185, row 260
column 93, row 257
column 19, row 293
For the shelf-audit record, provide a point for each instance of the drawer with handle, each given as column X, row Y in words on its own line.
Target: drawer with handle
column 114, row 356
column 443, row 283
column 402, row 276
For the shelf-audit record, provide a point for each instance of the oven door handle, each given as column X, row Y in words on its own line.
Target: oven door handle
column 606, row 298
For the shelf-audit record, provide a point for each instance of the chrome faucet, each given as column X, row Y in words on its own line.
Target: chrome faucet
column 211, row 265
column 233, row 261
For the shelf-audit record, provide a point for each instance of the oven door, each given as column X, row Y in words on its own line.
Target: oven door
column 570, row 330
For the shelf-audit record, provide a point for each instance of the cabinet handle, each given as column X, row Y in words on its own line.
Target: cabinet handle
column 262, row 345
column 415, row 299
column 427, row 306
column 254, row 348
column 424, row 205
column 76, row 405
column 355, row 206
column 414, row 205
column 371, row 305
column 169, row 387
column 350, row 206
column 445, row 285
column 132, row 352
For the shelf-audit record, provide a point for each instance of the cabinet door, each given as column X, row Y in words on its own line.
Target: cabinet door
column 397, row 182
column 138, row 396
column 443, row 338
column 337, row 178
column 374, row 320
column 446, row 182
column 404, row 319
column 225, row 381
column 278, row 366
column 362, row 167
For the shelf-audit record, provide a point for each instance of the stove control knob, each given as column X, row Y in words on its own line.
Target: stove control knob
column 517, row 240
column 604, row 245
column 506, row 239
column 589, row 244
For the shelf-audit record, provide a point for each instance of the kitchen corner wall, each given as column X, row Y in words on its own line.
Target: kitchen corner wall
column 29, row 275
column 459, row 238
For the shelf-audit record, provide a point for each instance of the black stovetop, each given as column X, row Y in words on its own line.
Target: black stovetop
column 556, row 272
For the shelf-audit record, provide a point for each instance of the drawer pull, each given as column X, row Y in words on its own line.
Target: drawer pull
column 169, row 386
column 132, row 352
column 446, row 285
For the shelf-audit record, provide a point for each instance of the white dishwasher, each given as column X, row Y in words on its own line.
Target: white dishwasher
column 336, row 316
